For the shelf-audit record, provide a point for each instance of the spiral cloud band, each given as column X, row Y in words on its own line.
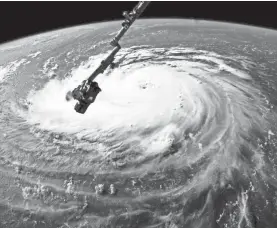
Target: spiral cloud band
column 172, row 129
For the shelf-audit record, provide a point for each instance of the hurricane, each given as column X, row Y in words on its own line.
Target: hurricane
column 185, row 136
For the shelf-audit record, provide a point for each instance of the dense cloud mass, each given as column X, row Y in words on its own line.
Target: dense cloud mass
column 178, row 137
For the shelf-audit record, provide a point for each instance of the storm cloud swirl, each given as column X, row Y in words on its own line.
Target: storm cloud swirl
column 184, row 135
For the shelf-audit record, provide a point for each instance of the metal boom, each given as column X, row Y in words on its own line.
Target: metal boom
column 86, row 93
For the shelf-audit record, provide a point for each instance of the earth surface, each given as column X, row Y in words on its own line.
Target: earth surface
column 184, row 128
